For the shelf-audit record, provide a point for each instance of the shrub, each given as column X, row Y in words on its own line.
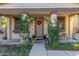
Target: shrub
column 76, row 45
column 60, row 46
column 53, row 33
column 67, row 45
column 15, row 50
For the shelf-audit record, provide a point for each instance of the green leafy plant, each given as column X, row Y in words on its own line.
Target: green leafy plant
column 53, row 32
column 49, row 33
column 61, row 46
column 15, row 50
column 23, row 23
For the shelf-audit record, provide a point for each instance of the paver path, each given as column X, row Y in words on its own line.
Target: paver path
column 38, row 49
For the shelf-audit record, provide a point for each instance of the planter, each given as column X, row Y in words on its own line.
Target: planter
column 44, row 37
column 33, row 40
column 4, row 38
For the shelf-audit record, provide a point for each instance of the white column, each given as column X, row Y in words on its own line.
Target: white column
column 0, row 23
column 67, row 23
column 8, row 28
column 78, row 22
column 71, row 26
column 53, row 19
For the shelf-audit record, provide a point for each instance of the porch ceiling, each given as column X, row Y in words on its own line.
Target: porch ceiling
column 38, row 5
column 38, row 8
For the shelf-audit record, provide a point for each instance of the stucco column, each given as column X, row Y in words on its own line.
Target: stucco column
column 78, row 22
column 8, row 28
column 71, row 26
column 67, row 26
column 53, row 19
column 0, row 24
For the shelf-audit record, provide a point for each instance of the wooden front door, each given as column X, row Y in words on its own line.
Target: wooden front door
column 39, row 27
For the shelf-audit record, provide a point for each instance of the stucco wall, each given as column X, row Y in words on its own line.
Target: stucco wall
column 67, row 25
column 69, row 22
column 32, row 28
column 46, row 25
column 73, row 24
column 13, row 35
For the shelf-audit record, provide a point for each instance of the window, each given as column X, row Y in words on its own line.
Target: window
column 61, row 21
column 3, row 24
column 16, row 28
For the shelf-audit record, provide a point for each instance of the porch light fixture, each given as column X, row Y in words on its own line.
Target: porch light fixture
column 4, row 21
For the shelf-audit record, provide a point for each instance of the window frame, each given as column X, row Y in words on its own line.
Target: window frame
column 61, row 19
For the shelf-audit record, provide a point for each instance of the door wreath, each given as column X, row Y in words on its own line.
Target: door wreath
column 38, row 22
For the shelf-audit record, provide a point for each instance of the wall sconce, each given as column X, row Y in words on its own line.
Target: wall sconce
column 4, row 22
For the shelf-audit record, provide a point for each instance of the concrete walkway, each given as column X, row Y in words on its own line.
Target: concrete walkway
column 62, row 53
column 38, row 49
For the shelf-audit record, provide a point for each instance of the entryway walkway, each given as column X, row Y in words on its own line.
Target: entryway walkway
column 38, row 49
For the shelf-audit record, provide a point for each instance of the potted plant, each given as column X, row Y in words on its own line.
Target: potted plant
column 44, row 37
column 33, row 38
column 5, row 38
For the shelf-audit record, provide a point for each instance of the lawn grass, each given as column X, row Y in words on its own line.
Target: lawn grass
column 15, row 50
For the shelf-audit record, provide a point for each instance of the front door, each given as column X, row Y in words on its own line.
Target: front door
column 39, row 27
